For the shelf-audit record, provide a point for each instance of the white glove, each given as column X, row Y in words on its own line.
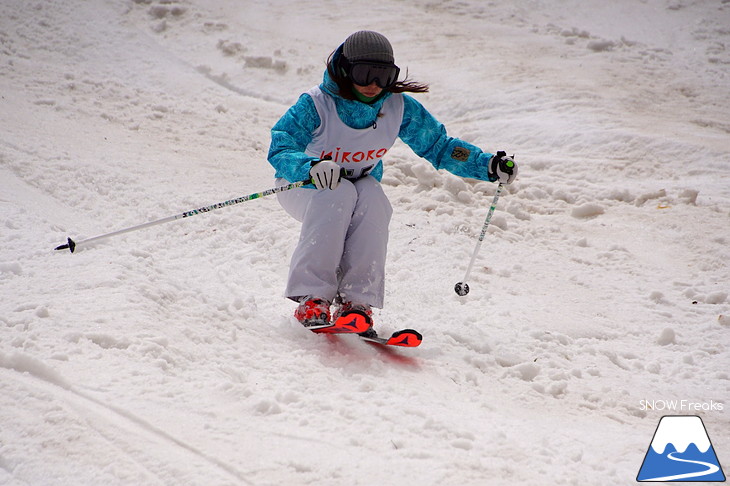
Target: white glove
column 325, row 174
column 502, row 168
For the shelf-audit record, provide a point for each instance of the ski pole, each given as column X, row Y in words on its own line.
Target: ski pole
column 462, row 288
column 71, row 244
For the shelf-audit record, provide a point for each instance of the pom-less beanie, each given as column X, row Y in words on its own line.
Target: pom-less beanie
column 366, row 45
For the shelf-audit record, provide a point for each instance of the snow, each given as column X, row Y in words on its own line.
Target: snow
column 169, row 355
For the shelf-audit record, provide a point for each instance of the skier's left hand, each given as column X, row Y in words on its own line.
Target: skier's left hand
column 502, row 168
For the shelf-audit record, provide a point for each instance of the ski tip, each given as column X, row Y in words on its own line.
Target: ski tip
column 70, row 245
column 408, row 338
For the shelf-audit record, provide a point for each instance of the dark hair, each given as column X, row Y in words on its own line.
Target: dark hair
column 345, row 85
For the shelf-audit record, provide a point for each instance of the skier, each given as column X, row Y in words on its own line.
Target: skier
column 336, row 136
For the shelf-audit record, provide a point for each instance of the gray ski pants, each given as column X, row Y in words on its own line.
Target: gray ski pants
column 343, row 241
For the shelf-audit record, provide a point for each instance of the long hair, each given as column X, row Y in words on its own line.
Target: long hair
column 345, row 85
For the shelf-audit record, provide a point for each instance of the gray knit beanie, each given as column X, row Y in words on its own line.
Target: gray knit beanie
column 367, row 45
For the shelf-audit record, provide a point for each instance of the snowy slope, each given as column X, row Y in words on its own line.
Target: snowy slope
column 169, row 356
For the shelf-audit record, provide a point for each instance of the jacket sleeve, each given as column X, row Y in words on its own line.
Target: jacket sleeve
column 289, row 139
column 428, row 139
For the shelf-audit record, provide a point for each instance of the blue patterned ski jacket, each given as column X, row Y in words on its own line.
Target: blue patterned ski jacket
column 425, row 135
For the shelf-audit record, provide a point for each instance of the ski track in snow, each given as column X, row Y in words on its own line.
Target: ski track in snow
column 168, row 356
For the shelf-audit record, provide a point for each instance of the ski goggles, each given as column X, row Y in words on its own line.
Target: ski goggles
column 364, row 73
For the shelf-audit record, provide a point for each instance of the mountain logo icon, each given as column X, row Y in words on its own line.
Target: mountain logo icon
column 680, row 451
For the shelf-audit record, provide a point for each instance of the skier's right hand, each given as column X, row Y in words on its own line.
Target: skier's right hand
column 325, row 174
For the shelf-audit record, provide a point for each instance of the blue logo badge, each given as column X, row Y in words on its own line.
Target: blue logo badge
column 681, row 451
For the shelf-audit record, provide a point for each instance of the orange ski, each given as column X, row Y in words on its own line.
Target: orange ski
column 407, row 338
column 350, row 322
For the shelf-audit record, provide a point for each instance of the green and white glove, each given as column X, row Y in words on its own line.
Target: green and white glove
column 325, row 174
column 502, row 168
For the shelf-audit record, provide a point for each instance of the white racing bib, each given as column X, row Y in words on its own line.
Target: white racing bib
column 358, row 151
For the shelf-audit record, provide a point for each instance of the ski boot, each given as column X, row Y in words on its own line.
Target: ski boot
column 362, row 313
column 313, row 313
